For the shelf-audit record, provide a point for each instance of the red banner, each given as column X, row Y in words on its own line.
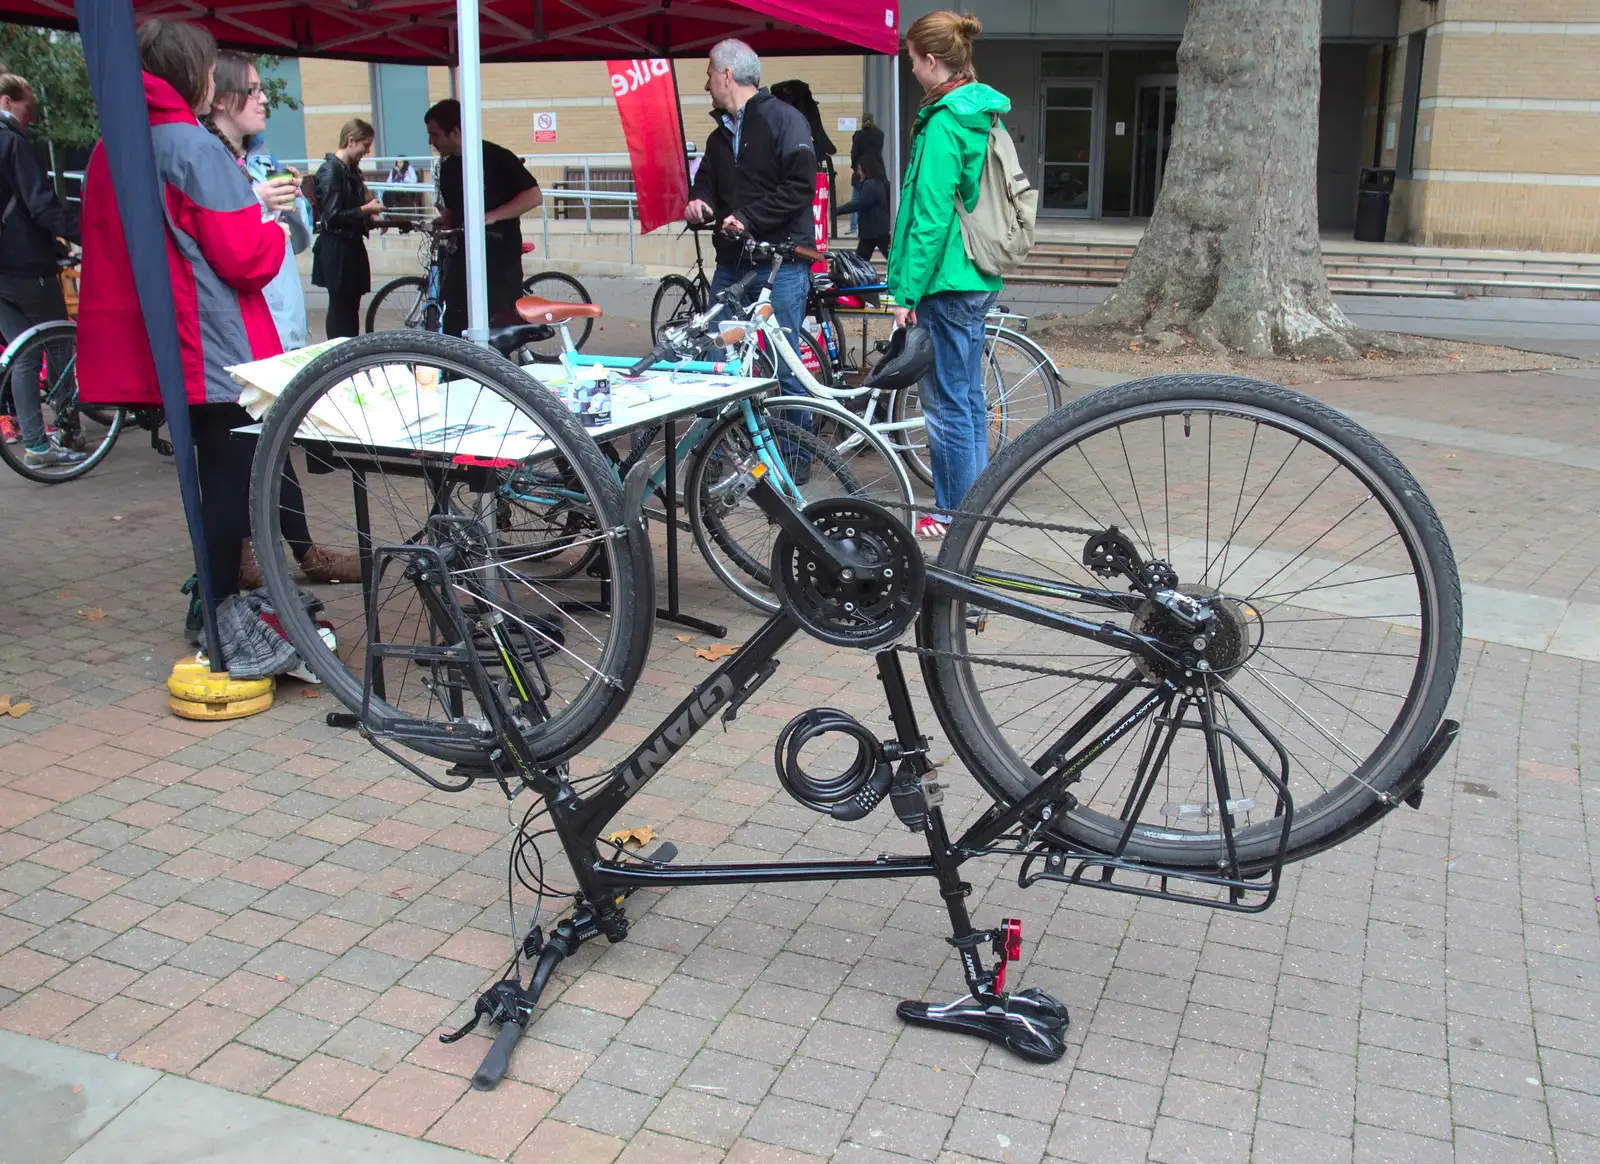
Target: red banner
column 820, row 215
column 647, row 101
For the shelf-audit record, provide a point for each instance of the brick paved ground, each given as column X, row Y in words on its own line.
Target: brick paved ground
column 269, row 906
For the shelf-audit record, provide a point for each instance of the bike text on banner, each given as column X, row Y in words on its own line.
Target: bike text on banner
column 647, row 101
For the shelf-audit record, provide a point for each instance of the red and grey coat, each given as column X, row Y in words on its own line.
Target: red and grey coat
column 220, row 255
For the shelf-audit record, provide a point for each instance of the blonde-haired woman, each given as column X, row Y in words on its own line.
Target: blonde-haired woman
column 934, row 283
column 345, row 210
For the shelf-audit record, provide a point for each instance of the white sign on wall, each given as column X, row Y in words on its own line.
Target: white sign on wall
column 847, row 125
column 544, row 127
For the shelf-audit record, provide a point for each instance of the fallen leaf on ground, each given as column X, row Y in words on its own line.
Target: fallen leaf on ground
column 641, row 836
column 18, row 710
column 684, row 638
column 92, row 614
column 717, row 651
column 65, row 594
column 311, row 693
column 280, row 977
column 116, row 517
column 400, row 893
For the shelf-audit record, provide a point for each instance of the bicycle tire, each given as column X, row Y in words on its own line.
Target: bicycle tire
column 562, row 287
column 56, row 334
column 600, row 689
column 739, row 551
column 1272, row 415
column 1031, row 396
column 676, row 297
column 418, row 313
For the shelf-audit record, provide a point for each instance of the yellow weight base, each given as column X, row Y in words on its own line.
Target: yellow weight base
column 198, row 692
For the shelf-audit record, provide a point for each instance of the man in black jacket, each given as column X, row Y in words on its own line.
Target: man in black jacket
column 758, row 175
column 31, row 219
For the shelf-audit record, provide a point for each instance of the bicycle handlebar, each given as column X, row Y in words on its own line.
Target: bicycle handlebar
column 495, row 1063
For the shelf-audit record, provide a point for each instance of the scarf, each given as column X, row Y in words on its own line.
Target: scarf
column 939, row 91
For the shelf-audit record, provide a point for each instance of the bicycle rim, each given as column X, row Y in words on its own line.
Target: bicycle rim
column 500, row 513
column 675, row 299
column 1340, row 634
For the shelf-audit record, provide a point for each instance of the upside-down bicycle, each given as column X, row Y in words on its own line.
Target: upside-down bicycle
column 1182, row 632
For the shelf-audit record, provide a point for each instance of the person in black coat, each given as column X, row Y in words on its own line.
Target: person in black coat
column 871, row 205
column 31, row 219
column 866, row 142
column 345, row 211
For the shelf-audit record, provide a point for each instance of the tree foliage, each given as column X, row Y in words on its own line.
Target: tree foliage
column 52, row 62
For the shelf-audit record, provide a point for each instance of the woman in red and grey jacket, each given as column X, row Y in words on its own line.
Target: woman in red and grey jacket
column 220, row 253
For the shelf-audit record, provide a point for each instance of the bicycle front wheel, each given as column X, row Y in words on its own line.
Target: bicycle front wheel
column 502, row 482
column 402, row 303
column 676, row 298
column 563, row 289
column 1332, row 645
column 50, row 356
column 815, row 450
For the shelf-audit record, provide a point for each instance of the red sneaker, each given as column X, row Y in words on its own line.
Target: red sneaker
column 932, row 527
column 9, row 432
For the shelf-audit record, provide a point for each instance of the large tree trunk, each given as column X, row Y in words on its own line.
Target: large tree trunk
column 1231, row 254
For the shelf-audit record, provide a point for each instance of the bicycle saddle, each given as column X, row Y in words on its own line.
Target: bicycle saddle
column 550, row 311
column 508, row 331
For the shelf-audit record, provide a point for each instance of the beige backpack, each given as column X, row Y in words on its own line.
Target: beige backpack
column 998, row 233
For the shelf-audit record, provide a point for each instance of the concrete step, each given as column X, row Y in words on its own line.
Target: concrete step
column 1354, row 272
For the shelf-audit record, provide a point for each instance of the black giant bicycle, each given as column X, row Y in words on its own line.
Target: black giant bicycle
column 1183, row 631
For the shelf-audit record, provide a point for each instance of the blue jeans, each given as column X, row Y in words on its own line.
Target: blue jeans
column 952, row 393
column 789, row 292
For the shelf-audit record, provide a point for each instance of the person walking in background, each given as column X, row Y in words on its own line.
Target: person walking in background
column 509, row 192
column 239, row 118
column 934, row 283
column 31, row 220
column 339, row 260
column 871, row 203
column 758, row 176
column 866, row 142
column 221, row 255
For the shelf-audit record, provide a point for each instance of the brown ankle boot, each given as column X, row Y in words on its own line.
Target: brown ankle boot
column 320, row 565
column 249, row 569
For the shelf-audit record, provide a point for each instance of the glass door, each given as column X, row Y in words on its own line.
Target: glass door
column 1071, row 111
column 1156, row 112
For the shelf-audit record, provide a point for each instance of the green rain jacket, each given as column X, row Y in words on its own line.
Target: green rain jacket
column 948, row 145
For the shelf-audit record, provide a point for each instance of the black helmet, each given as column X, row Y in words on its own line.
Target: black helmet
column 908, row 359
column 851, row 270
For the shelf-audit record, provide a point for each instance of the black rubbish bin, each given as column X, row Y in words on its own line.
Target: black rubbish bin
column 1372, row 204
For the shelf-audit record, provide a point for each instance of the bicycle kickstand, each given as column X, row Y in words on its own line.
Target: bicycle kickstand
column 1029, row 1023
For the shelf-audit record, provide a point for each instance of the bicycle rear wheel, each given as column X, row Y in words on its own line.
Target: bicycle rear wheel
column 52, row 348
column 563, row 289
column 1020, row 387
column 1337, row 635
column 816, row 450
column 500, row 466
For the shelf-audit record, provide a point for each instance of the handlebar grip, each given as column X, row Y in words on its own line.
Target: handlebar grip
column 644, row 365
column 493, row 1068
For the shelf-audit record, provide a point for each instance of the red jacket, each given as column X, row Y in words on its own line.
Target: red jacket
column 220, row 255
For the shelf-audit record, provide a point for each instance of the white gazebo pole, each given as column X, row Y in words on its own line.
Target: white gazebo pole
column 470, row 71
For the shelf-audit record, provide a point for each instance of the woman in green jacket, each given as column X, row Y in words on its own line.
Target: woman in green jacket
column 934, row 283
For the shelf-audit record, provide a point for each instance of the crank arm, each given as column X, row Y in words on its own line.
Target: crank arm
column 836, row 561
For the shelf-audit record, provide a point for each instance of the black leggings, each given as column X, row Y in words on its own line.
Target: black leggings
column 224, row 462
column 865, row 246
column 344, row 314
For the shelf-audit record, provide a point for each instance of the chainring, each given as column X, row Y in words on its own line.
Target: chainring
column 851, row 612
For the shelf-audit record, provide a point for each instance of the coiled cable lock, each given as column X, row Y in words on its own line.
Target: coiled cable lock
column 848, row 796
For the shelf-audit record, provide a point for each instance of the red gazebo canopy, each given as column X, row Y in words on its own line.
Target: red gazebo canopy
column 424, row 31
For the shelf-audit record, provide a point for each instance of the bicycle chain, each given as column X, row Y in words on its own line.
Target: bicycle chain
column 995, row 519
column 1031, row 668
